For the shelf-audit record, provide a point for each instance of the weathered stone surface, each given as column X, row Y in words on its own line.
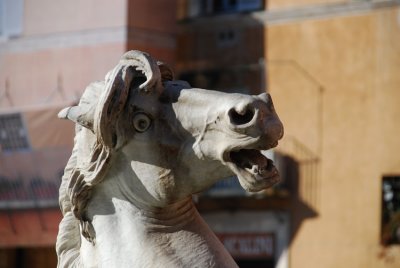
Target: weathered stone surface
column 144, row 144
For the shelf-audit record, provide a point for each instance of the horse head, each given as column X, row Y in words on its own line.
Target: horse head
column 166, row 139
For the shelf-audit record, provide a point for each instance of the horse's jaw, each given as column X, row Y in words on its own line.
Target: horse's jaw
column 254, row 170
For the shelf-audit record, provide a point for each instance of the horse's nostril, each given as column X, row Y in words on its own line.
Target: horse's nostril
column 241, row 118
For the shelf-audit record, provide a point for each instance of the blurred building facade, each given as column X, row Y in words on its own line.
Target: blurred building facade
column 332, row 70
column 333, row 73
column 331, row 67
column 49, row 52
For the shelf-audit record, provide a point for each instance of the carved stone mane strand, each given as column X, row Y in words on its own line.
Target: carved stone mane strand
column 98, row 111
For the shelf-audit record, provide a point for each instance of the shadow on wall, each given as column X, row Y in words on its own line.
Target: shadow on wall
column 299, row 170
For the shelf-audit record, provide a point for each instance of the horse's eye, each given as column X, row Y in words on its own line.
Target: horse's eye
column 141, row 122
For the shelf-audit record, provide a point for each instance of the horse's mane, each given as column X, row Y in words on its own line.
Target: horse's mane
column 78, row 181
column 96, row 139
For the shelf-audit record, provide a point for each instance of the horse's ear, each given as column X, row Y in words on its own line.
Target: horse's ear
column 102, row 102
column 83, row 113
column 77, row 115
column 136, row 70
column 147, row 74
column 166, row 72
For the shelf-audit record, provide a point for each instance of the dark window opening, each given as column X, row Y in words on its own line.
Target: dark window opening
column 390, row 218
column 198, row 8
column 261, row 263
column 227, row 38
column 13, row 134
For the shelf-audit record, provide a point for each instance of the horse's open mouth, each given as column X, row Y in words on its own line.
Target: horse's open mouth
column 254, row 170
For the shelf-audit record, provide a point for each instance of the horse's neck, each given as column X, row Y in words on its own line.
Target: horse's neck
column 130, row 234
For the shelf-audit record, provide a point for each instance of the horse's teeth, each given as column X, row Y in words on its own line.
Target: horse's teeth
column 254, row 169
column 257, row 170
column 262, row 170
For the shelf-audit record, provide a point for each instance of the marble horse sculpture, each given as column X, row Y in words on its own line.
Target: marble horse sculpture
column 144, row 144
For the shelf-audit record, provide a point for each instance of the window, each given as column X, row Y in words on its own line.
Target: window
column 214, row 7
column 227, row 38
column 13, row 135
column 11, row 18
column 390, row 228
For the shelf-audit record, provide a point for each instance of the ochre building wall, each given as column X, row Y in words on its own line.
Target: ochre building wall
column 335, row 84
column 276, row 4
